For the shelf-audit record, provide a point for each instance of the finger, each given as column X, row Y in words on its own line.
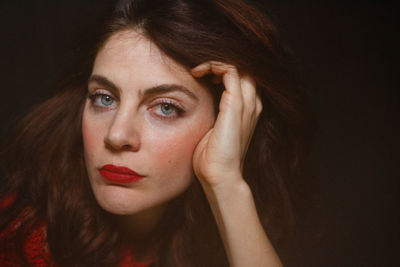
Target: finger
column 248, row 87
column 201, row 70
column 231, row 81
column 228, row 125
column 211, row 67
column 232, row 97
column 258, row 110
column 259, row 106
column 231, row 104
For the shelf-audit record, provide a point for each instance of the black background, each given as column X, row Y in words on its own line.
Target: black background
column 346, row 54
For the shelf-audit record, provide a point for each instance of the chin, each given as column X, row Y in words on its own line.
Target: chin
column 116, row 208
column 118, row 200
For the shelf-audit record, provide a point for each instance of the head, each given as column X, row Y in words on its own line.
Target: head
column 125, row 122
column 145, row 112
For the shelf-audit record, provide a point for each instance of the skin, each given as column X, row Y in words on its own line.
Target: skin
column 134, row 132
column 218, row 162
column 169, row 152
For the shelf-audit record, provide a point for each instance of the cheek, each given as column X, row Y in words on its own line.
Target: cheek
column 92, row 136
column 174, row 153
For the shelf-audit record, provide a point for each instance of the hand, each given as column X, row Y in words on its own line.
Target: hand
column 219, row 156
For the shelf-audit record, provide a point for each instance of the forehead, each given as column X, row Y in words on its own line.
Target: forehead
column 130, row 45
column 128, row 56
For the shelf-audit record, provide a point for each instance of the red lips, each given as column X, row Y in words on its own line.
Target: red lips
column 119, row 174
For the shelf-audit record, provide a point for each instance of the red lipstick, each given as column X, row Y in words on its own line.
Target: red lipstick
column 119, row 174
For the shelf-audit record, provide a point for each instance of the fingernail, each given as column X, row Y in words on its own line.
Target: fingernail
column 200, row 67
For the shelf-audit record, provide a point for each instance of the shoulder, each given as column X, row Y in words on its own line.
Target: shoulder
column 19, row 245
column 27, row 246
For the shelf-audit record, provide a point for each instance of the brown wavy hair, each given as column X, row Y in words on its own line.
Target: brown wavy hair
column 43, row 161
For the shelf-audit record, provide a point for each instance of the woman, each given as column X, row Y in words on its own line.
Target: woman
column 173, row 147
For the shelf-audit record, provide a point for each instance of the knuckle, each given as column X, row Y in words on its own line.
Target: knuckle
column 259, row 110
column 259, row 106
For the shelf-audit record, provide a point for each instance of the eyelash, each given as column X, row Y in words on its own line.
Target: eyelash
column 98, row 94
column 179, row 111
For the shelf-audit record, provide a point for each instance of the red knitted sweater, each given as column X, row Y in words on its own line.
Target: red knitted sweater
column 35, row 247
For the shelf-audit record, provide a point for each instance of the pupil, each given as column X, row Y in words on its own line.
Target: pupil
column 106, row 100
column 166, row 109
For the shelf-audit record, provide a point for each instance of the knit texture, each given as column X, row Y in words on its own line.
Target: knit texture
column 35, row 248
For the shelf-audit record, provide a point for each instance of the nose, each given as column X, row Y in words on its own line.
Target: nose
column 123, row 134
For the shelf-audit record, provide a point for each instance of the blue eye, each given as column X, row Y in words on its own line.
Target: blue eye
column 102, row 100
column 106, row 100
column 167, row 109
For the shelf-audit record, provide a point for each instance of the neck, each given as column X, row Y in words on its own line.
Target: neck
column 140, row 232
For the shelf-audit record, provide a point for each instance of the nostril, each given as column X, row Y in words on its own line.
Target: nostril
column 126, row 147
column 122, row 144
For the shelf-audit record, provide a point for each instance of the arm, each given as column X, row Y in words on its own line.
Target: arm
column 218, row 161
column 245, row 241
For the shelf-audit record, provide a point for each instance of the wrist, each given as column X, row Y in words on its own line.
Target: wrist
column 229, row 187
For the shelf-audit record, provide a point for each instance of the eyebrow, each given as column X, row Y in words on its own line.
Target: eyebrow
column 103, row 81
column 158, row 89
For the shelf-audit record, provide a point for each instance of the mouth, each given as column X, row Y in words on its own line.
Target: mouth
column 119, row 174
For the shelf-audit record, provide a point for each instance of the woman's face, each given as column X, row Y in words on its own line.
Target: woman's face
column 144, row 112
